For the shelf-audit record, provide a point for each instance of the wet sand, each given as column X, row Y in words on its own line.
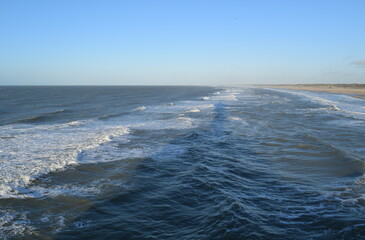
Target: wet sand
column 357, row 90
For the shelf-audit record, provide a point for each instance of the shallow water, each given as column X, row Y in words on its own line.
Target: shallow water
column 180, row 163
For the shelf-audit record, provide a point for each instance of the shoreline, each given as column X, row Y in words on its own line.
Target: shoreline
column 356, row 90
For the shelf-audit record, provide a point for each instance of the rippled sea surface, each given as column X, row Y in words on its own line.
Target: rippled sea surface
column 180, row 163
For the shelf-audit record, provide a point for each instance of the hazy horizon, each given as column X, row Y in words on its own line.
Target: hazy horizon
column 181, row 43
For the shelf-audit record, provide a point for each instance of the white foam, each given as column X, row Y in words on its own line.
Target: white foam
column 186, row 122
column 31, row 151
column 141, row 108
column 226, row 97
column 60, row 223
column 37, row 191
column 361, row 180
column 183, row 106
column 14, row 224
column 336, row 102
column 239, row 120
column 235, row 118
column 180, row 122
column 77, row 123
column 193, row 110
column 335, row 108
column 229, row 94
column 201, row 107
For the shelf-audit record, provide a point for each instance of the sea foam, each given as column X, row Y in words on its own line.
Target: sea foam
column 31, row 151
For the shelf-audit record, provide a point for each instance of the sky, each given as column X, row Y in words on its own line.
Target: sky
column 181, row 42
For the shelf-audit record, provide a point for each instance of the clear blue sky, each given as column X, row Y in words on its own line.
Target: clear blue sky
column 181, row 42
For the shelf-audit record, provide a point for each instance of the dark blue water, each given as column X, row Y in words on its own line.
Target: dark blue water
column 180, row 163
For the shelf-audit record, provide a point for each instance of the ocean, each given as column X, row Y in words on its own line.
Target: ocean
column 118, row 162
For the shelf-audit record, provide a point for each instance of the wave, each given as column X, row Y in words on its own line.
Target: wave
column 35, row 151
column 52, row 147
column 186, row 122
column 72, row 124
column 235, row 118
column 355, row 113
column 193, row 111
column 239, row 120
column 32, row 119
column 332, row 107
column 41, row 149
column 227, row 95
column 42, row 117
column 338, row 160
column 141, row 108
column 14, row 224
column 109, row 116
column 333, row 101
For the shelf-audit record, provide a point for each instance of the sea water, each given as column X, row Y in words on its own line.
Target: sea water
column 180, row 163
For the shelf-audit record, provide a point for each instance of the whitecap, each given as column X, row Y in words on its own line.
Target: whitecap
column 186, row 122
column 334, row 107
column 14, row 223
column 37, row 150
column 332, row 101
column 193, row 110
column 141, row 108
column 235, row 118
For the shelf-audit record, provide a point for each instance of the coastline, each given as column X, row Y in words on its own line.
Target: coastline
column 356, row 90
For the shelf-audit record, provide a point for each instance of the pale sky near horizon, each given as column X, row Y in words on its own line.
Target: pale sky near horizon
column 181, row 42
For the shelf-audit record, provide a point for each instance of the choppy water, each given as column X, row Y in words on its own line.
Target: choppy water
column 180, row 163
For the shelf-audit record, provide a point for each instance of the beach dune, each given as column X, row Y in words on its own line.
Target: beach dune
column 357, row 90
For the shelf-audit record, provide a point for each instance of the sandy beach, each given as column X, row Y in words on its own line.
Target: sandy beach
column 357, row 90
